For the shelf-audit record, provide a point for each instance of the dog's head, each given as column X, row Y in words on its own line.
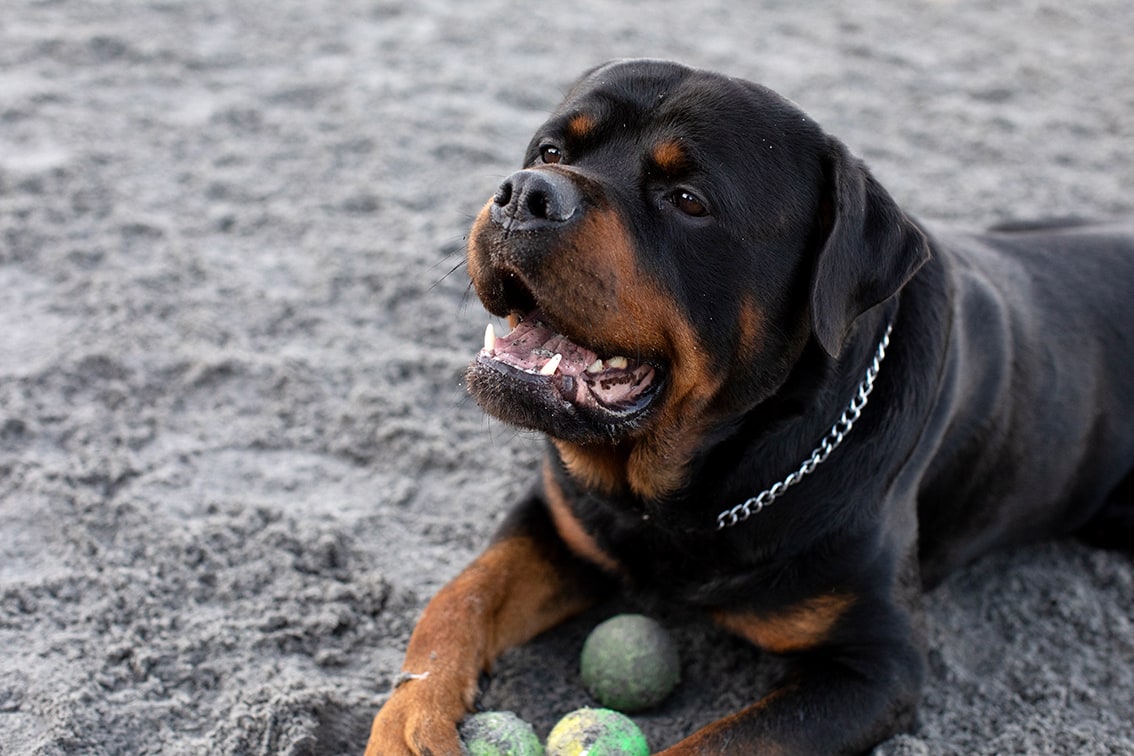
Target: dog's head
column 673, row 241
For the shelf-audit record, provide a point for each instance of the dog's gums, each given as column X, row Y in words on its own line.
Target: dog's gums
column 535, row 352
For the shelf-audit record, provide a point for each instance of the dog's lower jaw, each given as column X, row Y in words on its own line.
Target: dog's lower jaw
column 653, row 463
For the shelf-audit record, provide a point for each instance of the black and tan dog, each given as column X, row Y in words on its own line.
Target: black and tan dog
column 700, row 282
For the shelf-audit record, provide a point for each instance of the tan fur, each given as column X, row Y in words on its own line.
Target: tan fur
column 568, row 526
column 798, row 628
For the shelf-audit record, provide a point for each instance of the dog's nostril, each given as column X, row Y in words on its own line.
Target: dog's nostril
column 537, row 204
column 503, row 194
column 531, row 200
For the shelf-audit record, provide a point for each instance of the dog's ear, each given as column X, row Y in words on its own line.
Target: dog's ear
column 871, row 250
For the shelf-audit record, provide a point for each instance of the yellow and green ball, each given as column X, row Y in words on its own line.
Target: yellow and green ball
column 596, row 732
column 499, row 733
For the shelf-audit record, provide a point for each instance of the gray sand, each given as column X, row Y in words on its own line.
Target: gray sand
column 236, row 458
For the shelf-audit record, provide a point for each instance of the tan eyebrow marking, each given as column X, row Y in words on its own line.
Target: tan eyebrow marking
column 580, row 126
column 670, row 156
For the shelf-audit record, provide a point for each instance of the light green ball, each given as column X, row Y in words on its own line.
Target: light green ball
column 499, row 733
column 596, row 732
column 630, row 663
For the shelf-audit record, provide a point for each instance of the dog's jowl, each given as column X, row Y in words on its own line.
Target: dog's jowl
column 769, row 394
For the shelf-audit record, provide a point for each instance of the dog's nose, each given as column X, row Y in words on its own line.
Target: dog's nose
column 532, row 200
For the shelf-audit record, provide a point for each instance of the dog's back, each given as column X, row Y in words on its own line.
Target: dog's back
column 1040, row 390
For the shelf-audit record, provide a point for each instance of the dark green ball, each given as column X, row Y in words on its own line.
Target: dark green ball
column 630, row 663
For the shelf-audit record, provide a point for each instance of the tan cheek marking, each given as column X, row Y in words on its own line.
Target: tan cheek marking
column 644, row 315
column 476, row 255
column 797, row 628
column 568, row 526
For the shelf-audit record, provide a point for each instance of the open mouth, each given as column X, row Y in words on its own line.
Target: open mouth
column 606, row 389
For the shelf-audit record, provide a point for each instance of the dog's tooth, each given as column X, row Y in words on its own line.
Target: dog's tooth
column 490, row 339
column 595, row 367
column 618, row 363
column 551, row 365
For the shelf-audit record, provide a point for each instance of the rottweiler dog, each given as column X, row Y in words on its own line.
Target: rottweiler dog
column 772, row 395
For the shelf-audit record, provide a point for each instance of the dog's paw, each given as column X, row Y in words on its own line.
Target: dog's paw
column 414, row 723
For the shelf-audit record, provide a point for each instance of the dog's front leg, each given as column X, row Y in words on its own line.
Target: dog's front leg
column 844, row 694
column 523, row 584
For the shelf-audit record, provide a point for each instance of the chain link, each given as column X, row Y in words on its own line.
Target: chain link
column 830, row 442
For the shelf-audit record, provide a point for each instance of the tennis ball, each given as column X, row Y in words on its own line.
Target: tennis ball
column 630, row 663
column 499, row 733
column 596, row 732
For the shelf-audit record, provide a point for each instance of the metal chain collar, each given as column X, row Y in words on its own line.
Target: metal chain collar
column 834, row 437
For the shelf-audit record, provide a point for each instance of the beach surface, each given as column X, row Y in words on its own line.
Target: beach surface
column 236, row 455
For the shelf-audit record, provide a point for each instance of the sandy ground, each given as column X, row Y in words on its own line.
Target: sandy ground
column 236, row 457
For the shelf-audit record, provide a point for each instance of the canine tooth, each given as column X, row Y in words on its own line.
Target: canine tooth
column 595, row 367
column 551, row 365
column 490, row 339
column 618, row 363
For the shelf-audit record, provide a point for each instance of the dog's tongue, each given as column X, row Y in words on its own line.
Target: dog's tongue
column 579, row 374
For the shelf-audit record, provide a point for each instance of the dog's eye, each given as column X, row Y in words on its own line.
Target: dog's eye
column 689, row 203
column 550, row 154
